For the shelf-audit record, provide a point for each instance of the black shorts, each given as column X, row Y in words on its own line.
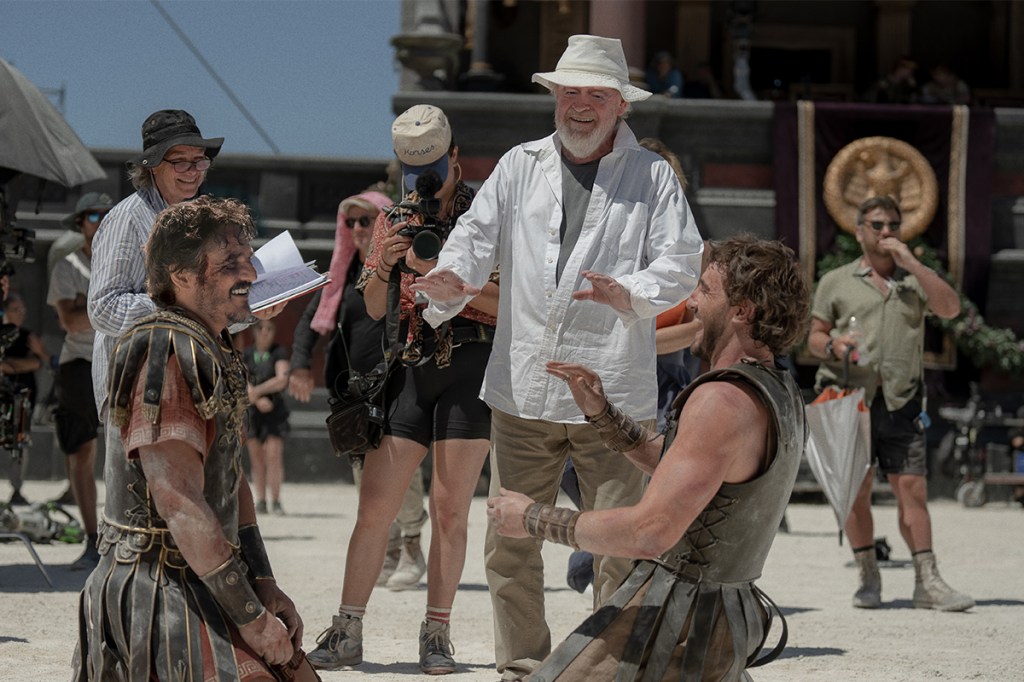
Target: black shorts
column 265, row 424
column 425, row 404
column 75, row 418
column 897, row 438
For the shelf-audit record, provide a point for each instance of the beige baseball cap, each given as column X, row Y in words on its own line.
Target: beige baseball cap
column 421, row 137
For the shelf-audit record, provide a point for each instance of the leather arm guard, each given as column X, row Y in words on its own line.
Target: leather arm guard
column 548, row 522
column 618, row 430
column 254, row 552
column 233, row 592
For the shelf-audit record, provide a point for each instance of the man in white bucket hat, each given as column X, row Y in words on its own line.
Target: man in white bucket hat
column 594, row 238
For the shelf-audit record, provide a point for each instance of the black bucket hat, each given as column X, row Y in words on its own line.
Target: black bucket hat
column 168, row 128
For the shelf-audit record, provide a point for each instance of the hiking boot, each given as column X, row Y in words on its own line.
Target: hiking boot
column 277, row 509
column 436, row 648
column 90, row 557
column 339, row 645
column 391, row 559
column 931, row 591
column 261, row 507
column 411, row 566
column 869, row 594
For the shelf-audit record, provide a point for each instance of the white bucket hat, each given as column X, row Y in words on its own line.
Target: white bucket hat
column 593, row 62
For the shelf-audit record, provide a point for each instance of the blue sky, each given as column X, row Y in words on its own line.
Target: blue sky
column 317, row 75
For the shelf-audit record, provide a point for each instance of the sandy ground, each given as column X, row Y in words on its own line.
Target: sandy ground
column 808, row 574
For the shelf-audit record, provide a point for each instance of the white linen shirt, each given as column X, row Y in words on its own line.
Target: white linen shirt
column 117, row 289
column 638, row 229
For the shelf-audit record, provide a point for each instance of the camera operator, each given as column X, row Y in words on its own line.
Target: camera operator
column 24, row 355
column 431, row 397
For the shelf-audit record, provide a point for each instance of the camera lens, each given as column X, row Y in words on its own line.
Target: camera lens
column 426, row 245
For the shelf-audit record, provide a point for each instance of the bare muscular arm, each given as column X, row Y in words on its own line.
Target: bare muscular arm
column 722, row 439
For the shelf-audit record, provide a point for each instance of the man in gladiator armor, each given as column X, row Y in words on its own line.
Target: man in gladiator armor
column 702, row 530
column 184, row 589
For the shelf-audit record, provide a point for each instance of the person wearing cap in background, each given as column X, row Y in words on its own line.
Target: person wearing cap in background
column 585, row 216
column 356, row 345
column 431, row 397
column 75, row 418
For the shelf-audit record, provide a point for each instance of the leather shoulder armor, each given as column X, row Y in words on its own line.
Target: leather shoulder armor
column 148, row 345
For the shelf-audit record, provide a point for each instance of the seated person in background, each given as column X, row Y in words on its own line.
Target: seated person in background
column 663, row 78
column 945, row 87
column 702, row 85
column 896, row 87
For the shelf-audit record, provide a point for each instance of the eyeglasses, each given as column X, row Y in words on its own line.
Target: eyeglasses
column 877, row 225
column 363, row 220
column 94, row 217
column 186, row 166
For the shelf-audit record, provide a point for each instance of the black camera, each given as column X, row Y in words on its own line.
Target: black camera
column 428, row 236
column 15, row 242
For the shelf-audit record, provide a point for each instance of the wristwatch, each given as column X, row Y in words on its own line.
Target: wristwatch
column 829, row 353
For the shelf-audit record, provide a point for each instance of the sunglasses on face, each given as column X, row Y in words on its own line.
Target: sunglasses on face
column 363, row 221
column 94, row 216
column 877, row 225
column 186, row 166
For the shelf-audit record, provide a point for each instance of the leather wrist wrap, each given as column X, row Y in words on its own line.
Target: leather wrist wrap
column 618, row 430
column 548, row 522
column 254, row 552
column 233, row 592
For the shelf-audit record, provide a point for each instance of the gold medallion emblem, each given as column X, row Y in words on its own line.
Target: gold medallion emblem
column 880, row 166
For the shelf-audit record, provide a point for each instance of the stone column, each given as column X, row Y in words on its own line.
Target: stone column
column 480, row 76
column 625, row 21
column 429, row 48
column 893, row 31
column 693, row 34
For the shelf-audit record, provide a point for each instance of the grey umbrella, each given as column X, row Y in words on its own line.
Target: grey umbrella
column 35, row 139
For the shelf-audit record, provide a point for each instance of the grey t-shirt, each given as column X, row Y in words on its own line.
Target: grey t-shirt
column 577, row 184
column 70, row 278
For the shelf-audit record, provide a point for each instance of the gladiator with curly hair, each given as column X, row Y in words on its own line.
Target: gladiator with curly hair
column 766, row 274
column 181, row 236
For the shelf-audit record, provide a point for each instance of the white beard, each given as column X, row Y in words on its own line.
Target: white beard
column 582, row 145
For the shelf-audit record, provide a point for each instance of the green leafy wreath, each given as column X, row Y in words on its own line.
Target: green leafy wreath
column 983, row 345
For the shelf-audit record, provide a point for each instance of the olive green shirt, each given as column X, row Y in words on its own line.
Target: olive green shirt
column 893, row 324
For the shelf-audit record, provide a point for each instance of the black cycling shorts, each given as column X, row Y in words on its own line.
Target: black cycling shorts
column 426, row 404
column 75, row 419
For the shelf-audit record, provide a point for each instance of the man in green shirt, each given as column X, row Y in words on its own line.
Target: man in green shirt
column 875, row 307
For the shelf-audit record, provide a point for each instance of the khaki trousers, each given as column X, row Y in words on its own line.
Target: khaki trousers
column 528, row 456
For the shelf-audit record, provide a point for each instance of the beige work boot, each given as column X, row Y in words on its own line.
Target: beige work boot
column 391, row 559
column 931, row 591
column 411, row 566
column 869, row 594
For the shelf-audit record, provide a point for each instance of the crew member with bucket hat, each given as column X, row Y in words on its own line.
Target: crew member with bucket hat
column 593, row 238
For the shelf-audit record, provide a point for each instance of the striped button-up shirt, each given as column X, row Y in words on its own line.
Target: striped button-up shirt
column 117, row 290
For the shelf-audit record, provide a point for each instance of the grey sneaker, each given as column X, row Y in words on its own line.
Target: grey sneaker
column 339, row 645
column 261, row 507
column 411, row 566
column 436, row 648
column 277, row 509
